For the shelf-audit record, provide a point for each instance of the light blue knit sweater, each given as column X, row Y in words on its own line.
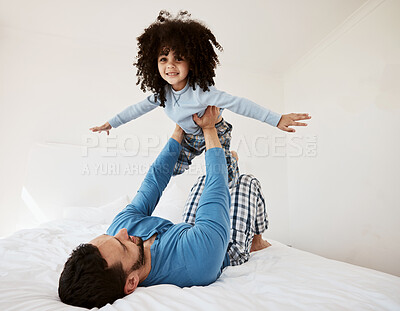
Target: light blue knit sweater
column 181, row 105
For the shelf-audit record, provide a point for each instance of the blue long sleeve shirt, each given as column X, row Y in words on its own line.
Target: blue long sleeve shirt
column 181, row 105
column 182, row 254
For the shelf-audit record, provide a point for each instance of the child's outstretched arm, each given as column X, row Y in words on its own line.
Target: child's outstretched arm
column 248, row 108
column 128, row 114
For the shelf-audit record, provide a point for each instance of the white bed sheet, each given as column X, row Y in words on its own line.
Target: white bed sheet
column 277, row 278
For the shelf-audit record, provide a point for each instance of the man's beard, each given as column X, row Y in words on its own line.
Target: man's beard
column 140, row 262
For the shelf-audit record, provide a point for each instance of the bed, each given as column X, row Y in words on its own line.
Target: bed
column 277, row 278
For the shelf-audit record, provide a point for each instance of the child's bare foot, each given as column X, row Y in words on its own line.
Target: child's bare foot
column 235, row 155
column 258, row 243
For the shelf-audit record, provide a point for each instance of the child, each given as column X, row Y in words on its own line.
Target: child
column 177, row 61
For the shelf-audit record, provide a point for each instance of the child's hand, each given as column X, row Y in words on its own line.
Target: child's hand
column 290, row 120
column 105, row 127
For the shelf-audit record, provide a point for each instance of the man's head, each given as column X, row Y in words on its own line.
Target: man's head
column 102, row 271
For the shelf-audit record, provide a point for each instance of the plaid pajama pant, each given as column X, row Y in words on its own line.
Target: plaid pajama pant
column 248, row 215
column 194, row 145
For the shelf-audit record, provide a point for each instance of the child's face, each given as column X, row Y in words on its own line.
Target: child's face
column 174, row 70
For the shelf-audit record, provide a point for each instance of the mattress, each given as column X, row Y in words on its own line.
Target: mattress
column 276, row 278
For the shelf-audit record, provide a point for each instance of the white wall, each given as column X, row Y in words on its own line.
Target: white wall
column 344, row 203
column 54, row 87
column 341, row 202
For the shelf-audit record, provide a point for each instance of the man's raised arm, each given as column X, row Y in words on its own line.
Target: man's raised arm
column 158, row 176
column 207, row 240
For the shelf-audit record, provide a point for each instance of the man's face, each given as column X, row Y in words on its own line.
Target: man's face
column 121, row 248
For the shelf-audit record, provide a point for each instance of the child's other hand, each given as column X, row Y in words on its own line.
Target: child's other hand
column 106, row 127
column 290, row 120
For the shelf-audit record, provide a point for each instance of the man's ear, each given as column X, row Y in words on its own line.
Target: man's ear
column 132, row 281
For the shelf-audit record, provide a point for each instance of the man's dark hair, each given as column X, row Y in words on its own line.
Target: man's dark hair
column 189, row 39
column 88, row 282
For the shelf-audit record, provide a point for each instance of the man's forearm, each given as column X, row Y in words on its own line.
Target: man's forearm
column 178, row 134
column 211, row 138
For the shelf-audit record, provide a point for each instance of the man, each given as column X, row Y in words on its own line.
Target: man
column 142, row 250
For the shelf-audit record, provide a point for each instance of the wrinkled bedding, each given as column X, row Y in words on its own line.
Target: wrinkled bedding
column 277, row 278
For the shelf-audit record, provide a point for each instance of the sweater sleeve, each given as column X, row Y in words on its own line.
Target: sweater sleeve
column 136, row 214
column 157, row 179
column 134, row 111
column 204, row 245
column 239, row 105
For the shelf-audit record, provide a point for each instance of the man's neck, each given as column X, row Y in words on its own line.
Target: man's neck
column 145, row 271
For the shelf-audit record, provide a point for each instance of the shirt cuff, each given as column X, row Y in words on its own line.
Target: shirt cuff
column 273, row 118
column 114, row 122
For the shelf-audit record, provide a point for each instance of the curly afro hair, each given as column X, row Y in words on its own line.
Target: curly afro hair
column 189, row 39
